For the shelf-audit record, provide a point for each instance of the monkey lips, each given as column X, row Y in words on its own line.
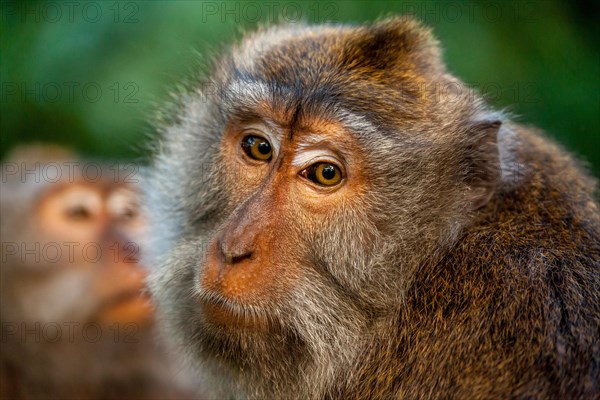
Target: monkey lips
column 123, row 296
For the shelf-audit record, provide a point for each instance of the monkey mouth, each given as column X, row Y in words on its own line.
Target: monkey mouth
column 128, row 306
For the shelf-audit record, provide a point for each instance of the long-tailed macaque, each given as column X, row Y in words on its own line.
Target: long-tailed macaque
column 339, row 217
column 76, row 320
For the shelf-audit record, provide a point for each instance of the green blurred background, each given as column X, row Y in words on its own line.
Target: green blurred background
column 90, row 75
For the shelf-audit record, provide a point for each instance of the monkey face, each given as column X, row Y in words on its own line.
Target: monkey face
column 259, row 272
column 104, row 220
column 289, row 187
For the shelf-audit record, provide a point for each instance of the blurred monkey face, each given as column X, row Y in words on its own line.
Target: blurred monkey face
column 88, row 234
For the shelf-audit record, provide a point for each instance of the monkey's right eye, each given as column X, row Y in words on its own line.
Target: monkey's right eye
column 257, row 148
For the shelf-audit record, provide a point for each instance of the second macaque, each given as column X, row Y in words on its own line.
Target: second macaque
column 76, row 320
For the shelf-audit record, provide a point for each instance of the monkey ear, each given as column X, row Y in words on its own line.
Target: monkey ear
column 482, row 162
column 395, row 44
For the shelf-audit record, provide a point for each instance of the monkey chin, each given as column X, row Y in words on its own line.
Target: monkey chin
column 243, row 337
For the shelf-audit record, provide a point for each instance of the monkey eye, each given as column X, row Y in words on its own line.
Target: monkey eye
column 257, row 148
column 323, row 173
column 123, row 204
column 129, row 214
column 78, row 212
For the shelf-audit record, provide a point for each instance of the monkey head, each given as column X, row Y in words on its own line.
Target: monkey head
column 293, row 199
column 70, row 233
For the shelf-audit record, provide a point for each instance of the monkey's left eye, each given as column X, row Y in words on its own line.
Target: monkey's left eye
column 257, row 148
column 78, row 213
column 323, row 173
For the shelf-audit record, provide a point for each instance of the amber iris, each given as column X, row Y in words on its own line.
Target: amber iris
column 257, row 148
column 323, row 173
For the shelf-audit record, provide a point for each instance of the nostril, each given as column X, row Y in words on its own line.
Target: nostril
column 233, row 258
column 234, row 255
column 237, row 259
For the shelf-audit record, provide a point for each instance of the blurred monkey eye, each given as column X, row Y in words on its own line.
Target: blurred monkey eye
column 123, row 204
column 323, row 173
column 78, row 203
column 129, row 213
column 78, row 212
column 257, row 148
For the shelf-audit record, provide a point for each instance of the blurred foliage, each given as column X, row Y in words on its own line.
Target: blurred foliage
column 91, row 74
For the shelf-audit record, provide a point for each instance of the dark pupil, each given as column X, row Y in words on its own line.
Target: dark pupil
column 264, row 148
column 329, row 172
